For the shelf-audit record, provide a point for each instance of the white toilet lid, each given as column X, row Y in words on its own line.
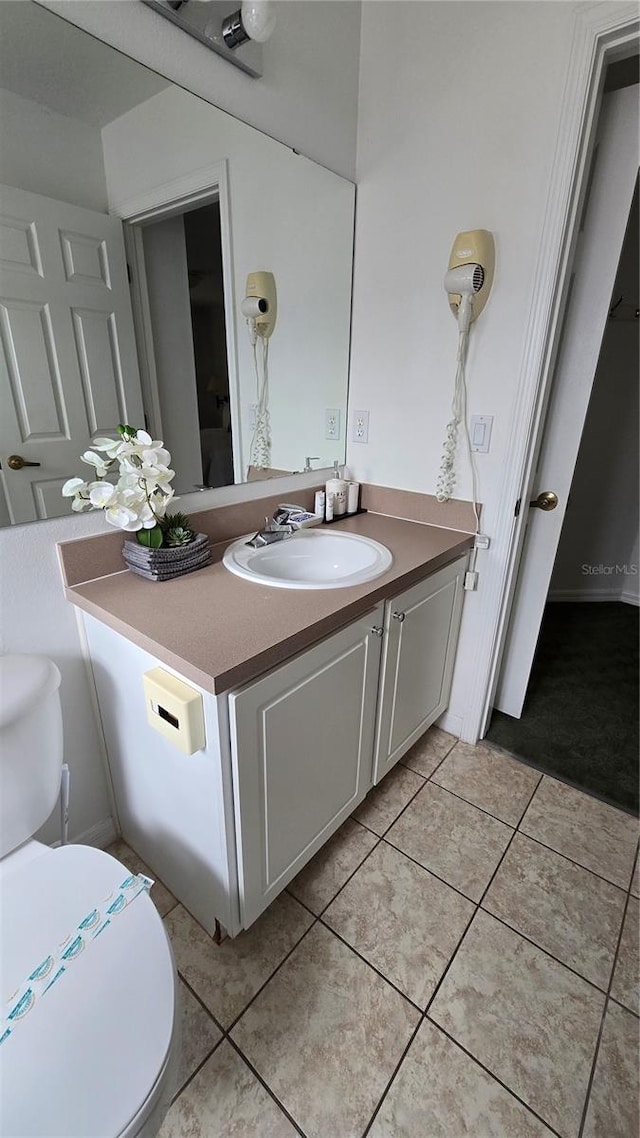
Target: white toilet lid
column 86, row 1057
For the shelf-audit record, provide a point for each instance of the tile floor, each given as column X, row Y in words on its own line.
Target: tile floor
column 460, row 959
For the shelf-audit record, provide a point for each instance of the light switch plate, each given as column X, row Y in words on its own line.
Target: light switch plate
column 481, row 426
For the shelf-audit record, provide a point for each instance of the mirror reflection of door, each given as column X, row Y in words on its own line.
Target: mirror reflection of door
column 183, row 277
column 68, row 367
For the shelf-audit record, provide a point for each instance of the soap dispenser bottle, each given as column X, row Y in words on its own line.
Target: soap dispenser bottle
column 337, row 487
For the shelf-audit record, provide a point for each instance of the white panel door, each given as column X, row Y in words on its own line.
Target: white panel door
column 604, row 222
column 421, row 633
column 68, row 364
column 302, row 753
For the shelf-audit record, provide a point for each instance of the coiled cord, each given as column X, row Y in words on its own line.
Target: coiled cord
column 260, row 449
column 447, row 475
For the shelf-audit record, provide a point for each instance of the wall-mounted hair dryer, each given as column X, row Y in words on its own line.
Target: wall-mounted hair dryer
column 260, row 305
column 470, row 275
column 468, row 282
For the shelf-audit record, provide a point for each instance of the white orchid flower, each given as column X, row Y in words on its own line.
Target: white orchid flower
column 101, row 494
column 143, row 491
column 111, row 447
column 73, row 486
column 155, row 456
column 123, row 518
column 93, row 459
column 157, row 476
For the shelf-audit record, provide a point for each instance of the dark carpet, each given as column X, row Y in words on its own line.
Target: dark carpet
column 580, row 718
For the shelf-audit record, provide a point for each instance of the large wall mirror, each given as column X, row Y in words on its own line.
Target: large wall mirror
column 132, row 214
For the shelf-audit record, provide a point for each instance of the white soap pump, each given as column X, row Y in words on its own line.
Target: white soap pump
column 337, row 487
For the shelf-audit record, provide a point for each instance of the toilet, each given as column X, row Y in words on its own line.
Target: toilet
column 88, row 988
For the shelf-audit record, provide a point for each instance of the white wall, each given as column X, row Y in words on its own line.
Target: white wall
column 601, row 524
column 307, row 99
column 288, row 216
column 307, row 96
column 50, row 154
column 37, row 618
column 458, row 116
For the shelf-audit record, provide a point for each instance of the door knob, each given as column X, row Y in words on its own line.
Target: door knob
column 399, row 616
column 377, row 630
column 16, row 462
column 545, row 501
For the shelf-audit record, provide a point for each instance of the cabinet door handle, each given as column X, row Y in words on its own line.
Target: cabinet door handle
column 377, row 630
column 399, row 616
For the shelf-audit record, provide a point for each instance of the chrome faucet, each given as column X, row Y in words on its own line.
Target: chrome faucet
column 273, row 531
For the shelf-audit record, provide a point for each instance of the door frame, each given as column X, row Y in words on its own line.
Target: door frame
column 602, row 32
column 209, row 183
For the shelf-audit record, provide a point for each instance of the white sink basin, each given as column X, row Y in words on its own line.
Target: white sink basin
column 311, row 559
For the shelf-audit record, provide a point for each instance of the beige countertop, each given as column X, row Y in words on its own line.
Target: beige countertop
column 220, row 631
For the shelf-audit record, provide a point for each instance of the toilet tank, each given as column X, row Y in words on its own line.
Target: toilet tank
column 30, row 746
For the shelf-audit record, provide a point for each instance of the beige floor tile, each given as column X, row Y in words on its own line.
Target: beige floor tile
column 402, row 919
column 225, row 1100
column 326, row 1034
column 565, row 909
column 199, row 1035
column 454, row 839
column 635, row 882
column 615, row 1094
column 430, row 750
column 327, row 872
column 528, row 1019
column 226, row 976
column 626, row 978
column 164, row 900
column 383, row 804
column 489, row 779
column 597, row 836
column 439, row 1092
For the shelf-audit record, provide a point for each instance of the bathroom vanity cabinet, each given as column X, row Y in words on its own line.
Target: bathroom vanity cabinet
column 287, row 757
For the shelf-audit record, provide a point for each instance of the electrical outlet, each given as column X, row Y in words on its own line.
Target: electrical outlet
column 253, row 416
column 360, row 426
column 332, row 423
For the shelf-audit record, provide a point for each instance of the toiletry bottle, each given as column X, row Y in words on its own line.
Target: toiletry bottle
column 318, row 503
column 328, row 507
column 353, row 495
column 338, row 487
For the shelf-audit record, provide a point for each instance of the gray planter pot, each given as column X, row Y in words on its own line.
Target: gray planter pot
column 167, row 562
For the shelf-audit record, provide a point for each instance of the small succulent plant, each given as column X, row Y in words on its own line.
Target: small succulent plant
column 177, row 535
column 176, row 530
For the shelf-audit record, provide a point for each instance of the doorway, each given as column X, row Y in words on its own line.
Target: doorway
column 579, row 717
column 180, row 266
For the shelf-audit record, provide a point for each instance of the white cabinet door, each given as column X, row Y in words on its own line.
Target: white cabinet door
column 302, row 752
column 421, row 632
column 68, row 362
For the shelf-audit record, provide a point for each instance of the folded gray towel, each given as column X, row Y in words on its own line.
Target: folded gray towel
column 169, row 573
column 149, row 575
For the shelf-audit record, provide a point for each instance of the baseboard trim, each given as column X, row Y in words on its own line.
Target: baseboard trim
column 101, row 835
column 450, row 723
column 589, row 596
